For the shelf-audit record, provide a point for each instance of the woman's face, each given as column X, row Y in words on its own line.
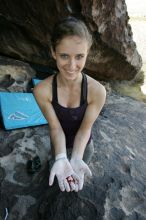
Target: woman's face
column 70, row 55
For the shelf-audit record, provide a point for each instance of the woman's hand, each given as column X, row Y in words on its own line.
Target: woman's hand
column 62, row 170
column 81, row 169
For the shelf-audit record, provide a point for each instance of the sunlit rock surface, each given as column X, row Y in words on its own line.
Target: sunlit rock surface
column 26, row 27
column 15, row 76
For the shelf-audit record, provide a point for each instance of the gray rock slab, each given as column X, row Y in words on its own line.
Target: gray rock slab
column 117, row 189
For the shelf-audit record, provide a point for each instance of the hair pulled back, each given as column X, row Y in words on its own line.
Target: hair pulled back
column 70, row 26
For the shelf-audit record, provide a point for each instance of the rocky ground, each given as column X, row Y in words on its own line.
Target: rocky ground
column 117, row 189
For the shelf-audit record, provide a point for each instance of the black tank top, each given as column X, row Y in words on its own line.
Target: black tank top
column 70, row 118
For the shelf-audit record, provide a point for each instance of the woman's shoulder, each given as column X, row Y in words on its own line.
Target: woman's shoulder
column 44, row 88
column 93, row 84
column 95, row 88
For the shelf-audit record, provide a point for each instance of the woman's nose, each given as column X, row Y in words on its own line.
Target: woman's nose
column 72, row 64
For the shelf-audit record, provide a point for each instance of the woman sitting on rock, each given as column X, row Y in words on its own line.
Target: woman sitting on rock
column 70, row 101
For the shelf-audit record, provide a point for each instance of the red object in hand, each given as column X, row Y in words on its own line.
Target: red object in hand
column 70, row 179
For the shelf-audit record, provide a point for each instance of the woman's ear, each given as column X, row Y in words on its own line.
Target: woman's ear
column 53, row 53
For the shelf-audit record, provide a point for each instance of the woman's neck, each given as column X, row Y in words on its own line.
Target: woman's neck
column 68, row 83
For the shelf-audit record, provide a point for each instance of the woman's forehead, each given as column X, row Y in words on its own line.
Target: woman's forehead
column 72, row 44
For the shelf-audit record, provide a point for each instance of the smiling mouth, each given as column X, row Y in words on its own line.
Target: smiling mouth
column 71, row 72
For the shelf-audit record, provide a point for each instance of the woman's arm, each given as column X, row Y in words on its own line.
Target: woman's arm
column 43, row 96
column 96, row 100
column 61, row 167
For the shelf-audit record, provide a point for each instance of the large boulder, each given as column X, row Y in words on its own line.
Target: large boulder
column 26, row 27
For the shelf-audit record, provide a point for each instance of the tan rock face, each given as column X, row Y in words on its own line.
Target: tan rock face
column 26, row 28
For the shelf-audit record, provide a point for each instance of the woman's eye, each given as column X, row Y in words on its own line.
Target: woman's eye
column 80, row 56
column 64, row 56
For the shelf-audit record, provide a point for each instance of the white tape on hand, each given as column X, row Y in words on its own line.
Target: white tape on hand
column 60, row 156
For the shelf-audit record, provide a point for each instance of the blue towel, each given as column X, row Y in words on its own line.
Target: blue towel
column 36, row 81
column 20, row 110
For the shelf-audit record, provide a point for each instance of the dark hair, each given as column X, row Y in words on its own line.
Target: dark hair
column 70, row 26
